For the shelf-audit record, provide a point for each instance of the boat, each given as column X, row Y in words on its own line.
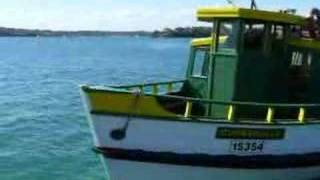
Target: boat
column 248, row 108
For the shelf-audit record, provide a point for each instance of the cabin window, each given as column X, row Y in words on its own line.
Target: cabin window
column 295, row 31
column 277, row 32
column 227, row 39
column 254, row 35
column 300, row 59
column 201, row 63
column 299, row 75
column 296, row 59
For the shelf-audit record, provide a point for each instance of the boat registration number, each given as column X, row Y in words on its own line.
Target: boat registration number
column 247, row 146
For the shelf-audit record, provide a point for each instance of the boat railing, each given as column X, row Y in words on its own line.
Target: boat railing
column 155, row 88
column 271, row 108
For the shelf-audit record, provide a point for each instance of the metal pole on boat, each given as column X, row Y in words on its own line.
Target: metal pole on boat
column 253, row 4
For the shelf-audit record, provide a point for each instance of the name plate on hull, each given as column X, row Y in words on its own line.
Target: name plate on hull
column 250, row 133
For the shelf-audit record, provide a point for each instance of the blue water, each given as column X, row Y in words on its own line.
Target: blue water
column 43, row 130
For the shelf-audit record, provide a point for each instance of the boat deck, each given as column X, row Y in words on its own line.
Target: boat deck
column 258, row 113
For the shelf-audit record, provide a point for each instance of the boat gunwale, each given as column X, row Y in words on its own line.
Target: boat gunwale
column 191, row 118
column 222, row 120
column 122, row 89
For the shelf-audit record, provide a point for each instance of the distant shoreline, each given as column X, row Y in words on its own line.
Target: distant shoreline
column 13, row 32
column 180, row 32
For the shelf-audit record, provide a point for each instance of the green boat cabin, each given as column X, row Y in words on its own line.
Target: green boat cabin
column 253, row 56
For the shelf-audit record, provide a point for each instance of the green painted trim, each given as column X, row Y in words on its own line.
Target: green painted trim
column 228, row 54
column 305, row 43
column 191, row 61
column 213, row 51
column 209, row 121
column 241, row 38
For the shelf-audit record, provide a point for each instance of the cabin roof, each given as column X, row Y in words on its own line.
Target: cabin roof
column 201, row 42
column 208, row 14
column 207, row 41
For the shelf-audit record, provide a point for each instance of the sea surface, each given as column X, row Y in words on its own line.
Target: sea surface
column 44, row 134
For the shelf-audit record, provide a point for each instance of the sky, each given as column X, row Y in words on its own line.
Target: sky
column 120, row 15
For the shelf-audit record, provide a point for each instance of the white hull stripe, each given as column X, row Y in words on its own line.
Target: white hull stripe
column 220, row 161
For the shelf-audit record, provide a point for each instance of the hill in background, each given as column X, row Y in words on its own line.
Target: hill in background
column 7, row 32
column 167, row 32
column 184, row 32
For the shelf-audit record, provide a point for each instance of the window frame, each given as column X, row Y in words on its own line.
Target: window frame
column 205, row 61
column 236, row 29
column 264, row 33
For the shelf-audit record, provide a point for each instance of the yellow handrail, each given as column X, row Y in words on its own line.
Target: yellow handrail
column 187, row 112
column 301, row 116
column 230, row 113
column 141, row 88
column 155, row 89
column 170, row 87
column 270, row 114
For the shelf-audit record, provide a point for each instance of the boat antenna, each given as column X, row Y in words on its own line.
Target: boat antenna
column 231, row 2
column 253, row 5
